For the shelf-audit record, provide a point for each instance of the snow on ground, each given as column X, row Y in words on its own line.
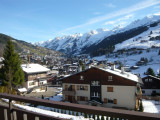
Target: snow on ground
column 131, row 60
column 50, row 113
column 142, row 40
column 151, row 106
column 58, row 97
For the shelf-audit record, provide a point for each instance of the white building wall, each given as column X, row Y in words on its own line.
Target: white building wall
column 83, row 93
column 31, row 86
column 125, row 96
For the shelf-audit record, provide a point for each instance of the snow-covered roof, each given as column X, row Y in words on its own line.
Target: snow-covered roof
column 126, row 75
column 153, row 77
column 34, row 68
column 117, row 72
column 22, row 90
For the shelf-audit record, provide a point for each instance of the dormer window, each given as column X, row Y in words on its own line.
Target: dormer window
column 150, row 80
column 110, row 78
column 95, row 83
column 81, row 77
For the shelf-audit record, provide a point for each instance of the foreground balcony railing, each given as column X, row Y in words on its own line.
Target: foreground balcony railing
column 12, row 113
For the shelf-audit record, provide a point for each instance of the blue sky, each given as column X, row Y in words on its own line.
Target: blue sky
column 40, row 20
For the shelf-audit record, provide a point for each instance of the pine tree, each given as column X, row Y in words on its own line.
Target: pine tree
column 150, row 72
column 11, row 73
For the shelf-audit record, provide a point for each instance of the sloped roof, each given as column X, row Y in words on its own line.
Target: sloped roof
column 34, row 68
column 117, row 72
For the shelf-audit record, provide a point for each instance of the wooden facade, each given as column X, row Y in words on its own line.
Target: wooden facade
column 95, row 74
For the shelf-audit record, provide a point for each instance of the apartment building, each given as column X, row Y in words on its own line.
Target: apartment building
column 103, row 87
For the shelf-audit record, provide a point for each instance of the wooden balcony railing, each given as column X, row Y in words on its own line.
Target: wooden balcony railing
column 12, row 113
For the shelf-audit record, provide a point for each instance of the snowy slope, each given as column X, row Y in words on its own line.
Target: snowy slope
column 131, row 60
column 75, row 43
column 143, row 40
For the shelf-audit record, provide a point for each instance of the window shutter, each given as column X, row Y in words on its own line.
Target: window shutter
column 86, row 98
column 115, row 101
column 66, row 97
column 105, row 100
column 86, row 88
column 73, row 87
column 66, row 87
column 77, row 87
column 109, row 89
column 78, row 98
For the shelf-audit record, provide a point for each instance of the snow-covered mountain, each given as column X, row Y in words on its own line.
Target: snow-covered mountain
column 137, row 34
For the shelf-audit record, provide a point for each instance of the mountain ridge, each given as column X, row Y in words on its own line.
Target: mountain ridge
column 21, row 45
column 83, row 43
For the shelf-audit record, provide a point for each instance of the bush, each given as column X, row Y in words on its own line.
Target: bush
column 141, row 106
column 5, row 89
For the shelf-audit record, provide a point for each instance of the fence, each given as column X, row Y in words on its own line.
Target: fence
column 12, row 113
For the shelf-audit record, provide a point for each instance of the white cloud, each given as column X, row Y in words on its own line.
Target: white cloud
column 128, row 10
column 109, row 23
column 110, row 5
column 121, row 21
column 96, row 13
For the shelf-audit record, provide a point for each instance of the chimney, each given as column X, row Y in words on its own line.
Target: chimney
column 122, row 70
column 27, row 65
column 79, row 68
column 112, row 66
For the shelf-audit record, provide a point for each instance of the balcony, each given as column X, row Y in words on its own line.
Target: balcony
column 12, row 113
column 69, row 92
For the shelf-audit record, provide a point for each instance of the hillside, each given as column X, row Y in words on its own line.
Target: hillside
column 101, row 41
column 21, row 46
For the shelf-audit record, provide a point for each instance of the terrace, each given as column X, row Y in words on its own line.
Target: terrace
column 13, row 113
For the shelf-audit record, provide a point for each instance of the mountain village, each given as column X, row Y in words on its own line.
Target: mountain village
column 99, row 75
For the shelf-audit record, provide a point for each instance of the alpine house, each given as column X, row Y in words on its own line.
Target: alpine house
column 107, row 87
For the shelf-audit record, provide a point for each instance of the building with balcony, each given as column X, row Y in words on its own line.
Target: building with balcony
column 103, row 87
column 35, row 75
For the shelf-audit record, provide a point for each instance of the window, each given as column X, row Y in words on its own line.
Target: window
column 82, row 87
column 146, row 80
column 41, row 83
column 110, row 100
column 31, row 83
column 81, row 77
column 150, row 80
column 109, row 89
column 95, row 83
column 110, row 78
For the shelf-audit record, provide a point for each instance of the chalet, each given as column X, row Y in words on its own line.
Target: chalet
column 103, row 87
column 35, row 75
column 151, row 85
